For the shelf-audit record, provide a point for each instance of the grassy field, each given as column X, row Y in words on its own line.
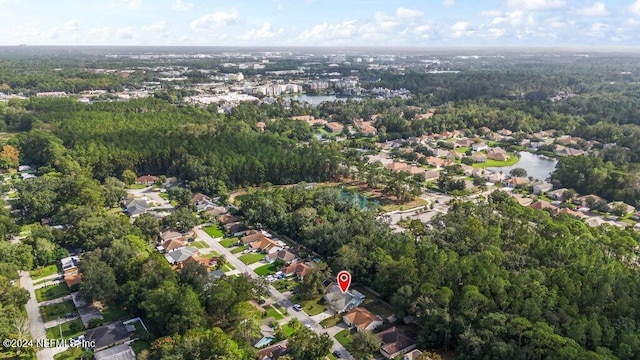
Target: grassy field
column 228, row 267
column 287, row 330
column 200, row 244
column 268, row 269
column 113, row 313
column 214, row 231
column 229, row 242
column 69, row 329
column 462, row 149
column 72, row 353
column 164, row 195
column 404, row 206
column 137, row 186
column 52, row 292
column 312, row 307
column 54, row 311
column 251, row 258
column 494, row 163
column 43, row 271
column 210, row 255
column 331, row 322
column 239, row 249
column 271, row 312
column 345, row 338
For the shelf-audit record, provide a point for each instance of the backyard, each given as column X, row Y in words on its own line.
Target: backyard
column 249, row 259
column 55, row 311
column 52, row 292
column 69, row 329
column 214, row 231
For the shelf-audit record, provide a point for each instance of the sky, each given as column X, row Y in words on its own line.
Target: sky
column 442, row 23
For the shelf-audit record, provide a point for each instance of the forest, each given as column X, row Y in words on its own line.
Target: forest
column 492, row 280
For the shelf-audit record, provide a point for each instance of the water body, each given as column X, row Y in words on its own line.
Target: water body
column 359, row 200
column 314, row 99
column 538, row 166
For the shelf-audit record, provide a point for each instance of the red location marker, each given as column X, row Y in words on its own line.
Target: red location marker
column 344, row 280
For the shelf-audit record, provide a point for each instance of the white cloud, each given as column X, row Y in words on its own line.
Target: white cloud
column 156, row 26
column 214, row 20
column 133, row 4
column 597, row 9
column 556, row 22
column 125, row 33
column 72, row 25
column 536, row 4
column 265, row 32
column 448, row 2
column 462, row 28
column 325, row 31
column 495, row 32
column 634, row 7
column 423, row 31
column 403, row 12
column 180, row 5
column 491, row 13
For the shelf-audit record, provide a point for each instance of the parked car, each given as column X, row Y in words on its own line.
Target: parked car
column 297, row 307
column 337, row 354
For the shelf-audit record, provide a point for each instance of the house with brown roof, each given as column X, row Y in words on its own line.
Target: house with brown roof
column 479, row 158
column 72, row 280
column 498, row 154
column 395, row 342
column 265, row 245
column 397, row 166
column 415, row 355
column 583, row 200
column 464, row 142
column 146, row 179
column 366, row 127
column 431, row 175
column 283, row 255
column 571, row 212
column 251, row 236
column 306, row 118
column 261, row 125
column 557, row 194
column 202, row 202
column 361, row 319
column 334, row 127
column 297, row 269
column 274, row 351
column 541, row 204
column 516, row 181
column 504, row 132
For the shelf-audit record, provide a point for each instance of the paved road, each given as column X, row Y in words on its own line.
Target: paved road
column 153, row 196
column 36, row 325
column 279, row 298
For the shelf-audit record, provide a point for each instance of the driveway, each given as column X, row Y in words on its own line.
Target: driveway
column 36, row 325
column 279, row 298
column 152, row 196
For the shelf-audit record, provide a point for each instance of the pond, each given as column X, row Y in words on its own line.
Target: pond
column 359, row 200
column 538, row 166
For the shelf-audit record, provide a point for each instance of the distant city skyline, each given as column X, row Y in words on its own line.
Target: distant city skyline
column 442, row 23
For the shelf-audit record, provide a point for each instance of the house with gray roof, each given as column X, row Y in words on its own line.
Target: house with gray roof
column 341, row 302
column 119, row 352
column 136, row 207
column 179, row 255
column 104, row 336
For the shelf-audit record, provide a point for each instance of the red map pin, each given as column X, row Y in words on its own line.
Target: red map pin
column 344, row 280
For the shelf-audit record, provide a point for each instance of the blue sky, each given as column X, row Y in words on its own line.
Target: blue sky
column 321, row 22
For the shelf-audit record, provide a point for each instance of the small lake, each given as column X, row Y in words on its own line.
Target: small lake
column 359, row 200
column 314, row 99
column 538, row 166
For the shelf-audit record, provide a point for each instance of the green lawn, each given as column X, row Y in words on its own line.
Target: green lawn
column 312, row 307
column 137, row 186
column 287, row 330
column 200, row 244
column 494, row 163
column 331, row 322
column 113, row 313
column 214, row 231
column 272, row 312
column 229, row 242
column 345, row 338
column 463, row 149
column 139, row 346
column 52, row 292
column 239, row 249
column 72, row 353
column 69, row 329
column 268, row 269
column 284, row 285
column 43, row 271
column 59, row 310
column 210, row 255
column 228, row 267
column 164, row 195
column 251, row 258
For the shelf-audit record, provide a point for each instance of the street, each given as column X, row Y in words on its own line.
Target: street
column 279, row 298
column 36, row 325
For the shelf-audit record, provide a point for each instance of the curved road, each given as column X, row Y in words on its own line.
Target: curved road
column 280, row 299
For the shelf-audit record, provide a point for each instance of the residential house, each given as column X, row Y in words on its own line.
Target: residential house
column 557, row 194
column 169, row 234
column 484, row 130
column 495, row 177
column 119, row 352
column 283, row 255
column 516, row 181
column 383, row 159
column 234, row 228
column 571, row 212
column 541, row 187
column 395, row 342
column 202, row 202
column 468, row 170
column 523, row 201
column 440, row 153
column 366, row 127
column 361, row 319
column 297, row 269
column 504, row 132
column 596, row 221
column 266, row 245
column 464, row 142
column 105, row 336
column 217, row 274
column 453, row 155
column 479, row 158
column 628, row 208
column 72, row 280
column 334, row 127
column 194, row 258
column 497, row 154
column 251, row 236
column 341, row 302
column 397, row 166
column 227, row 218
column 583, row 200
column 146, row 180
column 480, row 146
column 215, row 213
column 415, row 355
column 561, row 150
column 172, row 244
column 273, row 352
column 431, row 175
column 178, row 256
column 541, row 204
column 135, row 207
